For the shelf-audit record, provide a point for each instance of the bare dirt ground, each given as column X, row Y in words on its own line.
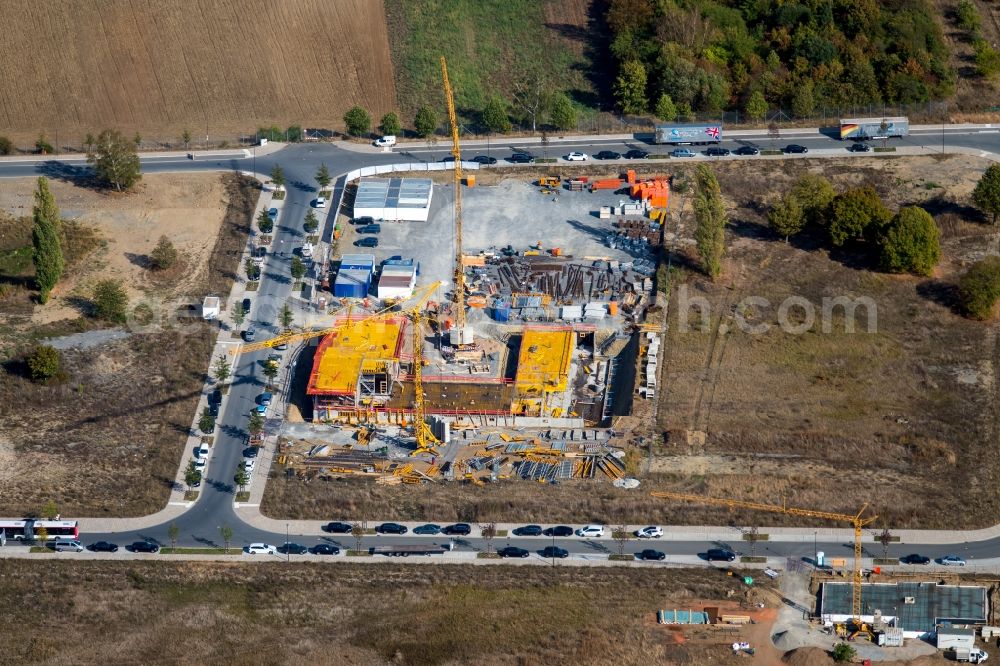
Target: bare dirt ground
column 226, row 66
column 107, row 439
column 198, row 612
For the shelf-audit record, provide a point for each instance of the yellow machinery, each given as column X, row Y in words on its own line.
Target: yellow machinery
column 425, row 438
column 857, row 521
column 456, row 151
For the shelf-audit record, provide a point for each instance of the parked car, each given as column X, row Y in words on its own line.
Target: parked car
column 651, row 532
column 390, row 528
column 289, row 548
column 246, row 305
column 260, row 549
column 636, row 154
column 320, row 202
column 213, row 409
column 215, row 397
column 607, row 155
column 272, row 213
column 591, row 531
column 338, row 528
column 370, row 229
column 527, row 530
column 281, row 347
column 859, row 148
column 427, row 529
column 717, row 152
column 952, row 561
column 260, row 409
column 559, row 531
column 484, row 159
column 248, row 465
column 325, row 549
column 747, row 150
column 460, row 529
column 914, row 558
column 576, row 156
column 796, row 148
column 720, row 555
column 367, row 241
column 512, row 551
column 250, row 452
column 200, row 465
column 385, row 141
column 249, row 335
column 682, row 152
column 448, row 158
column 650, row 554
column 265, row 398
column 554, row 551
column 66, row 545
column 365, row 219
column 521, row 158
column 104, row 547
column 144, row 547
column 201, row 452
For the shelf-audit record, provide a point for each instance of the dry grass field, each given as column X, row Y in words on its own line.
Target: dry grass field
column 208, row 66
column 107, row 440
column 272, row 613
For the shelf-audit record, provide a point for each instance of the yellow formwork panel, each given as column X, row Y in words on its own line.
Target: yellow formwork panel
column 340, row 355
column 544, row 359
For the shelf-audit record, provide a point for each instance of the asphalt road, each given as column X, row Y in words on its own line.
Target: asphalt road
column 214, row 508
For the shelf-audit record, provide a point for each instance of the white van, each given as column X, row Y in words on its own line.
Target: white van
column 591, row 531
column 386, row 141
column 72, row 546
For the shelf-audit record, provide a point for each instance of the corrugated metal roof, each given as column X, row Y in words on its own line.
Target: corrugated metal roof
column 394, row 193
column 357, row 260
column 932, row 603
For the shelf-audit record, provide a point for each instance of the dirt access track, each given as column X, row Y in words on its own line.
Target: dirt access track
column 107, row 439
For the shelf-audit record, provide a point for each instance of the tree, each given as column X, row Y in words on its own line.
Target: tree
column 207, row 422
column 46, row 248
column 164, row 255
column 621, row 536
column 115, row 160
column 666, row 110
column 298, row 268
column 323, row 177
column 495, row 117
column 684, row 112
column 42, row 145
column 287, row 317
column 885, row 538
column 710, row 217
column 173, row 532
column 843, row 653
column 6, row 146
column 425, row 123
column 630, row 87
column 358, row 121
column 256, row 424
column 531, row 94
column 110, row 301
column 987, row 193
column 192, row 476
column 222, row 366
column 979, row 288
column 241, row 478
column 803, row 101
column 42, row 534
column 814, row 193
column 390, row 124
column 278, row 176
column 311, row 223
column 238, row 314
column 358, row 532
column 756, row 107
column 137, row 140
column 786, row 217
column 44, row 363
column 89, row 141
column 562, row 113
column 910, row 242
column 50, row 510
column 270, row 371
column 252, row 269
column 226, row 532
column 856, row 215
column 264, row 222
column 186, row 138
column 489, row 532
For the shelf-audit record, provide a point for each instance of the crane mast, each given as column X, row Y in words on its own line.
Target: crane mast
column 456, row 151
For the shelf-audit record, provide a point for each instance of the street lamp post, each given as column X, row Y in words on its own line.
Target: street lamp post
column 288, row 552
column 815, row 551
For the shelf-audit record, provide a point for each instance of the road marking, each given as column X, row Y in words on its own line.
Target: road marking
column 988, row 132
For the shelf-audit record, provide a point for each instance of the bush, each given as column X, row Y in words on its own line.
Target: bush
column 42, row 145
column 272, row 133
column 164, row 255
column 979, row 288
column 910, row 243
column 425, row 123
column 44, row 363
column 6, row 146
column 358, row 121
column 110, row 301
column 390, row 124
column 843, row 653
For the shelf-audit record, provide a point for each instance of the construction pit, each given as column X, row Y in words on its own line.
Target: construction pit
column 527, row 387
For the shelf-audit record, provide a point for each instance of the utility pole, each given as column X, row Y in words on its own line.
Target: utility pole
column 288, row 552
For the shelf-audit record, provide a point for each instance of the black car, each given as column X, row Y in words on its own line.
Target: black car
column 144, row 547
column 914, row 558
column 554, row 551
column 559, row 531
column 512, row 551
column 528, row 530
column 370, row 229
column 104, row 547
column 250, row 452
column 636, row 154
column 460, row 529
column 521, row 158
column 650, row 554
column 325, row 549
column 795, row 148
column 484, row 159
column 608, row 155
column 246, row 305
column 720, row 555
column 448, row 158
column 338, row 528
column 367, row 241
column 363, row 220
column 717, row 152
column 859, row 148
column 213, row 409
column 215, row 397
column 292, row 549
column 747, row 150
column 429, row 529
column 390, row 528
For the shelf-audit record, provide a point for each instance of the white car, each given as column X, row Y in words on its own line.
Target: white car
column 576, row 157
column 260, row 549
column 651, row 532
column 385, row 141
column 200, row 464
column 320, row 202
column 952, row 561
column 201, row 452
column 591, row 531
column 248, row 465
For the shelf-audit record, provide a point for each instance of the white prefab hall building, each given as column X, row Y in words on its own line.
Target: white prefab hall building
column 394, row 199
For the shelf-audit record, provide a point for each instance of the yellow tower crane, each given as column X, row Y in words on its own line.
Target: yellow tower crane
column 858, row 521
column 456, row 151
column 425, row 438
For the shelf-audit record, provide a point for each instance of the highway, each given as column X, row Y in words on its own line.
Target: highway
column 199, row 526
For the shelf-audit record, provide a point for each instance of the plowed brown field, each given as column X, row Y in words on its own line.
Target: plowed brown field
column 208, row 66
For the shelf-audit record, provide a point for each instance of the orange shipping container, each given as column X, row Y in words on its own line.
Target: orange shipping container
column 610, row 184
column 631, row 176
